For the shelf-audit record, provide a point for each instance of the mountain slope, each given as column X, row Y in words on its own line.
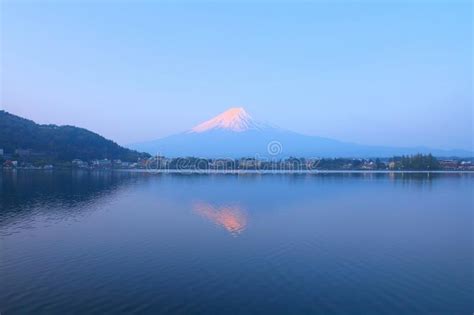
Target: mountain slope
column 234, row 133
column 62, row 143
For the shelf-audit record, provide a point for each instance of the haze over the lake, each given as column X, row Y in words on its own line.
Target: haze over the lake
column 396, row 74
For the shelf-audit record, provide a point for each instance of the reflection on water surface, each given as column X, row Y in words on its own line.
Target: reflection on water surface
column 127, row 242
column 232, row 218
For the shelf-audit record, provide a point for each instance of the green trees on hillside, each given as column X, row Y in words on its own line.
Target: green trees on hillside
column 58, row 143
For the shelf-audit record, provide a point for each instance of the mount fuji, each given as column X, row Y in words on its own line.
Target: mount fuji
column 234, row 133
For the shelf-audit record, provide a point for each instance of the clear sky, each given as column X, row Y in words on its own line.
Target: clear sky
column 397, row 73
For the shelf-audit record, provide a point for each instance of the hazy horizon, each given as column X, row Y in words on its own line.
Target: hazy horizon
column 397, row 74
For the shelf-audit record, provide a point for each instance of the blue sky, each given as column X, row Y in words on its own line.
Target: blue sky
column 397, row 73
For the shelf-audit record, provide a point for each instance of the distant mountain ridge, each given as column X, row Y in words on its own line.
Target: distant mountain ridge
column 61, row 143
column 234, row 133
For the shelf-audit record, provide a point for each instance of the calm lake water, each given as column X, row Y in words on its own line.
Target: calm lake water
column 127, row 242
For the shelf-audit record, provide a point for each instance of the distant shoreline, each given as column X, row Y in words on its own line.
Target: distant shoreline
column 238, row 172
column 278, row 172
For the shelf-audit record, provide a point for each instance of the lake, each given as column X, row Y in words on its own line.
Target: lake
column 129, row 242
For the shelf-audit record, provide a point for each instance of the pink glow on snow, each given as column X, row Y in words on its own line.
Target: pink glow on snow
column 234, row 119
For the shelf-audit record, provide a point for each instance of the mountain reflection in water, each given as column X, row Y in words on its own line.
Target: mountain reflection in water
column 232, row 217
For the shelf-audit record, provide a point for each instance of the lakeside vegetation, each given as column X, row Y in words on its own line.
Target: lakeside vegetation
column 418, row 162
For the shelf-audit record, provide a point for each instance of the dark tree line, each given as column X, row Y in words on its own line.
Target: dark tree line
column 416, row 162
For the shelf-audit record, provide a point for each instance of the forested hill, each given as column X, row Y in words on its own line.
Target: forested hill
column 58, row 143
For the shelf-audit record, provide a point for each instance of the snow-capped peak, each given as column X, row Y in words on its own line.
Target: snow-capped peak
column 234, row 119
